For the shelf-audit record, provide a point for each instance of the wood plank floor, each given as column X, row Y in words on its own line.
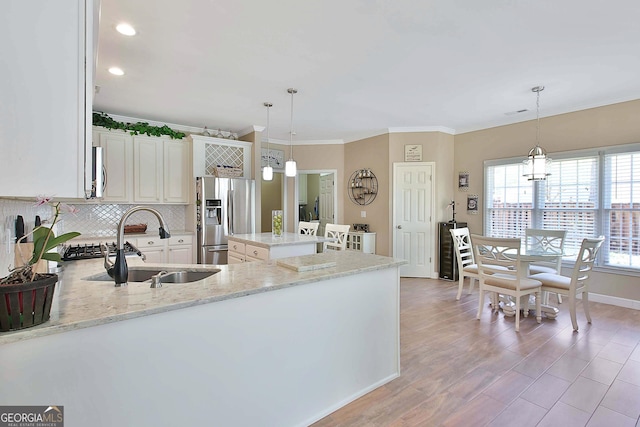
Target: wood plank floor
column 459, row 371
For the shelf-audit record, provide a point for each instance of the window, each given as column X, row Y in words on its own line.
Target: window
column 588, row 194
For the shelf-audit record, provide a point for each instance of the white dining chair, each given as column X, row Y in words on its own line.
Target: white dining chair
column 491, row 253
column 309, row 228
column 339, row 232
column 467, row 266
column 549, row 241
column 578, row 282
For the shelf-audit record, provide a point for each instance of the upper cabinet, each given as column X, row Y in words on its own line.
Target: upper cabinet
column 144, row 169
column 46, row 90
column 161, row 172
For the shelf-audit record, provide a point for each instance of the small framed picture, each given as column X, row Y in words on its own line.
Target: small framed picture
column 472, row 204
column 463, row 181
column 272, row 157
column 413, row 153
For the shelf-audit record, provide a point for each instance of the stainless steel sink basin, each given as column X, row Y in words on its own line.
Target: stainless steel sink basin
column 187, row 276
column 169, row 276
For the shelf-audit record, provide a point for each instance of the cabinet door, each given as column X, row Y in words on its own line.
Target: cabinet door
column 180, row 255
column 46, row 97
column 148, row 166
column 155, row 255
column 177, row 175
column 117, row 156
column 234, row 258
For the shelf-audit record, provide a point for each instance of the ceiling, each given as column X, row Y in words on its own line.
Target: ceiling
column 363, row 67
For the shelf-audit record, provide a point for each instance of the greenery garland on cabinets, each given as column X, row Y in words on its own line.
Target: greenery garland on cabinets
column 102, row 119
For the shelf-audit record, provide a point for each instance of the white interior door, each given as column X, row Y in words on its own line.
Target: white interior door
column 326, row 208
column 413, row 233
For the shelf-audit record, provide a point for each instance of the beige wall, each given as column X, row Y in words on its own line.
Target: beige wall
column 597, row 127
column 437, row 147
column 271, row 199
column 370, row 153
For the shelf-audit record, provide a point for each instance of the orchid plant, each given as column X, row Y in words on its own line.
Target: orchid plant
column 44, row 240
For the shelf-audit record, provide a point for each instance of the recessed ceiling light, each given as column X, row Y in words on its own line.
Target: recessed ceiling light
column 126, row 29
column 116, row 71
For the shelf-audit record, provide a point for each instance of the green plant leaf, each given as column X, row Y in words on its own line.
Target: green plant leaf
column 55, row 241
column 52, row 256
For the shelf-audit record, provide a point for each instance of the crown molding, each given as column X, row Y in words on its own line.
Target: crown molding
column 408, row 129
column 250, row 129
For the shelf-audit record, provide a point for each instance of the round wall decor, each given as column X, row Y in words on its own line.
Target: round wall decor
column 362, row 187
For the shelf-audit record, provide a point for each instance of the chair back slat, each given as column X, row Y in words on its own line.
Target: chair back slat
column 339, row 232
column 309, row 228
column 462, row 246
column 547, row 241
column 494, row 254
column 586, row 258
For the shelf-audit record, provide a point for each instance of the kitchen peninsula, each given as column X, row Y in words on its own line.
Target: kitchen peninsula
column 254, row 344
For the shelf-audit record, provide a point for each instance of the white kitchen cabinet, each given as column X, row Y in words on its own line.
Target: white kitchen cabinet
column 148, row 167
column 47, row 94
column 161, row 171
column 117, row 157
column 180, row 250
column 361, row 241
column 177, row 173
column 236, row 254
column 256, row 253
column 153, row 248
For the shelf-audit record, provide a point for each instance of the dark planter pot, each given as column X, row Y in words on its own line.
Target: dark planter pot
column 26, row 304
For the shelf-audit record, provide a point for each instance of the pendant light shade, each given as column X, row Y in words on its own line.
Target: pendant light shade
column 290, row 168
column 537, row 158
column 267, row 171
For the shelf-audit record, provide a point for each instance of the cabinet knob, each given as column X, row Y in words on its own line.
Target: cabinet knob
column 181, row 241
column 150, row 242
column 255, row 252
column 399, row 227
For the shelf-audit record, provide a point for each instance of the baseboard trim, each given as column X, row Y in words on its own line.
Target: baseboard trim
column 620, row 302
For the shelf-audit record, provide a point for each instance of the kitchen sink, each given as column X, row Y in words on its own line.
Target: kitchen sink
column 169, row 276
column 186, row 276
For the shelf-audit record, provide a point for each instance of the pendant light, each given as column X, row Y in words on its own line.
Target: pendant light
column 267, row 171
column 537, row 158
column 290, row 168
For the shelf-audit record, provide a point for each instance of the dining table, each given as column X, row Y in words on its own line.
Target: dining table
column 528, row 256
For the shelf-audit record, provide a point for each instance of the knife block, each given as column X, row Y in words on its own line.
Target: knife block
column 26, row 249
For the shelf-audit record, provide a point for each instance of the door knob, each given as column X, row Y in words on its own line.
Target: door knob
column 399, row 227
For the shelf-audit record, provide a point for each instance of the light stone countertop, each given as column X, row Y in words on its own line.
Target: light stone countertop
column 81, row 303
column 268, row 240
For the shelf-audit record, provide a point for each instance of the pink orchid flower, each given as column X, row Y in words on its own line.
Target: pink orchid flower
column 43, row 200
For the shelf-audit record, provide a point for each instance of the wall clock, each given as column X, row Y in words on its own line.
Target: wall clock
column 277, row 158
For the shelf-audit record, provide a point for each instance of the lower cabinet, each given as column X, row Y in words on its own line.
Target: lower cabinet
column 175, row 250
column 240, row 252
column 361, row 241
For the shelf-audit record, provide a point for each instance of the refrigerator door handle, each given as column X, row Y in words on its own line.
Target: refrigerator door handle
column 231, row 212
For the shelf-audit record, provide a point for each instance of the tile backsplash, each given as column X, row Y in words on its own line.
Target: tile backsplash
column 92, row 220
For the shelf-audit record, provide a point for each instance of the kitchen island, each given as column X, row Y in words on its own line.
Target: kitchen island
column 254, row 344
column 264, row 246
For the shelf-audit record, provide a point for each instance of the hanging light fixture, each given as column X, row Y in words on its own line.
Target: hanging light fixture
column 537, row 158
column 290, row 168
column 267, row 171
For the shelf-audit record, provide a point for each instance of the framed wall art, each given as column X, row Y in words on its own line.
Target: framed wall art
column 277, row 158
column 472, row 204
column 413, row 153
column 463, row 181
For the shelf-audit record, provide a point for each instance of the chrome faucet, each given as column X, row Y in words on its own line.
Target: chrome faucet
column 119, row 271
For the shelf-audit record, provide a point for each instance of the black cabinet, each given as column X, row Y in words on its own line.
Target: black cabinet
column 448, row 261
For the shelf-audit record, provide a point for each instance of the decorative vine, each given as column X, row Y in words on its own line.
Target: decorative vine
column 102, row 119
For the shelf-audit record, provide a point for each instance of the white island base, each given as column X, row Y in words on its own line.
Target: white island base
column 287, row 357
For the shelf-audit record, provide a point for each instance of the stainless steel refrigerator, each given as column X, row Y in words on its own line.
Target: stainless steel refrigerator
column 224, row 206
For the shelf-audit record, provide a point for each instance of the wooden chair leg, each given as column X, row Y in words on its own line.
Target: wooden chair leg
column 559, row 298
column 572, row 311
column 480, row 301
column 539, row 307
column 585, row 305
column 472, row 282
column 517, row 314
column 460, row 286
